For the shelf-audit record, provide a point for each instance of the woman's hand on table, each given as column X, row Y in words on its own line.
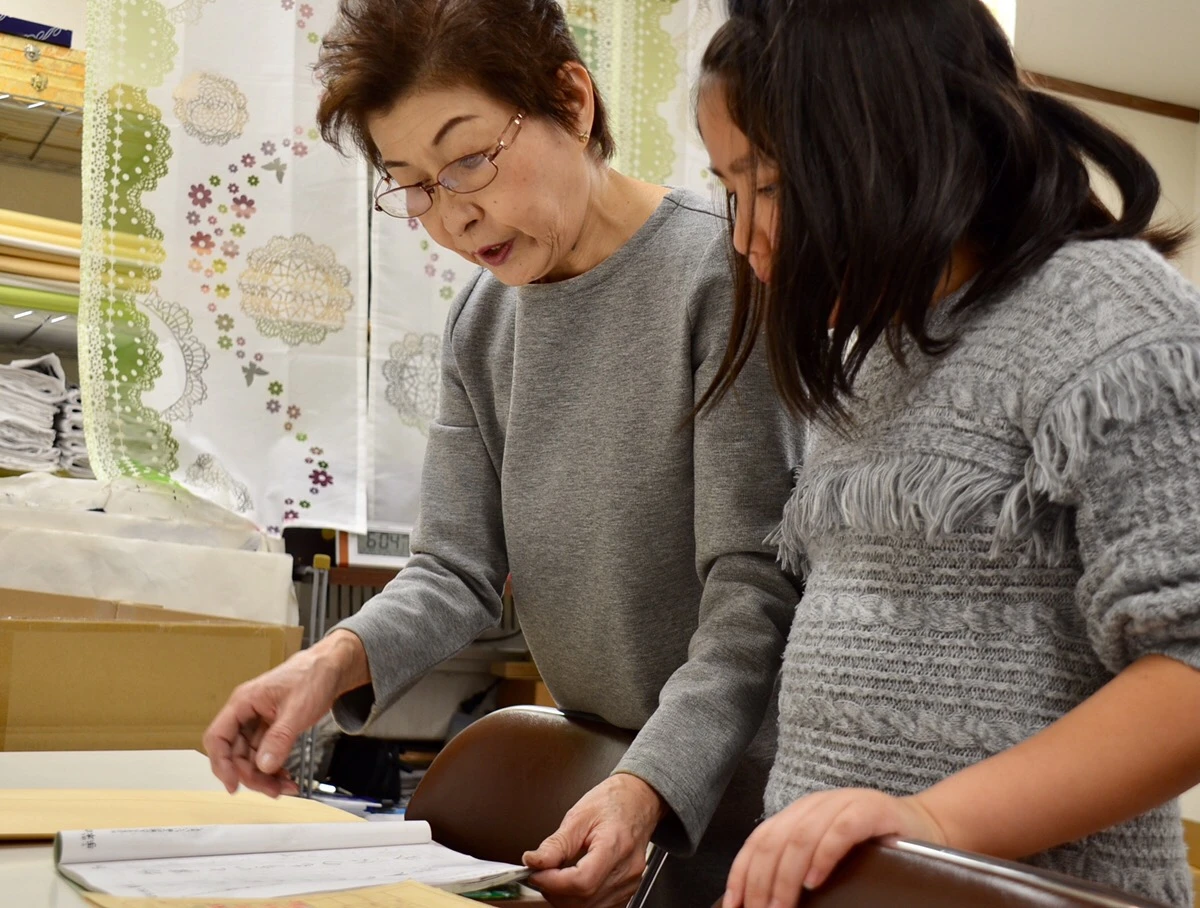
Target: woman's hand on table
column 596, row 857
column 249, row 741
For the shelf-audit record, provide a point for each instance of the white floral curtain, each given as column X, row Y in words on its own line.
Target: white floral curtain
column 644, row 55
column 223, row 324
column 225, row 257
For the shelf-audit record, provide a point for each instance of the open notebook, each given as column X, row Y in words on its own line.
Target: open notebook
column 263, row 861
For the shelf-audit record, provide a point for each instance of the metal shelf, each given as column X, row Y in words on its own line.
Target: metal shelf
column 40, row 135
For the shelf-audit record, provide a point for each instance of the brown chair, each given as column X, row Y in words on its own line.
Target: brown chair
column 501, row 786
column 895, row 873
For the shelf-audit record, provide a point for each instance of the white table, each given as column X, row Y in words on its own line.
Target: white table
column 27, row 875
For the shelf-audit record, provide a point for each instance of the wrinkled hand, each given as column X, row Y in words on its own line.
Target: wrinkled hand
column 799, row 846
column 250, row 739
column 596, row 857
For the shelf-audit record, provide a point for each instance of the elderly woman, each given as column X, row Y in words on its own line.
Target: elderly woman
column 564, row 451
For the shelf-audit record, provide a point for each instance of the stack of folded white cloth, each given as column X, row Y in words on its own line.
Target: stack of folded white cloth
column 31, row 392
column 71, row 444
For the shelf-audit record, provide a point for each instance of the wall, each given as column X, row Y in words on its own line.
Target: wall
column 1173, row 147
column 40, row 192
column 1189, row 805
column 61, row 13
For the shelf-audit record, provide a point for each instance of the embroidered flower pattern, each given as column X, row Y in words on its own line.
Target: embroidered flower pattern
column 202, row 243
column 200, row 195
column 243, row 207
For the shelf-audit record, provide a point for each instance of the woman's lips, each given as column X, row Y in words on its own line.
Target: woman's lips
column 495, row 256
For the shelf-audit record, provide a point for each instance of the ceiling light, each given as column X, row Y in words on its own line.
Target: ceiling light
column 4, row 97
column 35, row 104
column 59, row 318
column 23, row 314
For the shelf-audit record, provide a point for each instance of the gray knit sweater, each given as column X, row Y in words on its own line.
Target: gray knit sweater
column 1005, row 527
column 563, row 452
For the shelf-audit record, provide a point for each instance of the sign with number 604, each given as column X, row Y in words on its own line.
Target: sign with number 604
column 375, row 548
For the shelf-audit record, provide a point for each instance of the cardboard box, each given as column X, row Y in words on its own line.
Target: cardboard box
column 86, row 674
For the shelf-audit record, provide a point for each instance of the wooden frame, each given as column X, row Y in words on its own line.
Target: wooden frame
column 1119, row 98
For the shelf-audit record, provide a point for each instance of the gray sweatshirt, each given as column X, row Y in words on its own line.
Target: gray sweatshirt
column 1005, row 528
column 562, row 453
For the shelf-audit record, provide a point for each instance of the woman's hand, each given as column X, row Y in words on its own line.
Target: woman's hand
column 250, row 739
column 596, row 857
column 799, row 846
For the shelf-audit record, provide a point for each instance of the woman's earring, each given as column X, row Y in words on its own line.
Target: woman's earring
column 583, row 137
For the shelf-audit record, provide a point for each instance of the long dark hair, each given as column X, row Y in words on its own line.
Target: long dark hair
column 900, row 128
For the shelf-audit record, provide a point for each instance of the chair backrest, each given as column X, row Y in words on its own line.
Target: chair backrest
column 894, row 873
column 504, row 783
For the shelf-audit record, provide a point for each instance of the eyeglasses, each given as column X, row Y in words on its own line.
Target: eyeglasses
column 467, row 174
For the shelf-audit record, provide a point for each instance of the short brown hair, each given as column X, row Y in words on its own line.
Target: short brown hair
column 513, row 50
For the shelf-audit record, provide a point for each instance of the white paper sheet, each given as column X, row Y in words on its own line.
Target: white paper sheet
column 292, row 873
column 98, row 846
